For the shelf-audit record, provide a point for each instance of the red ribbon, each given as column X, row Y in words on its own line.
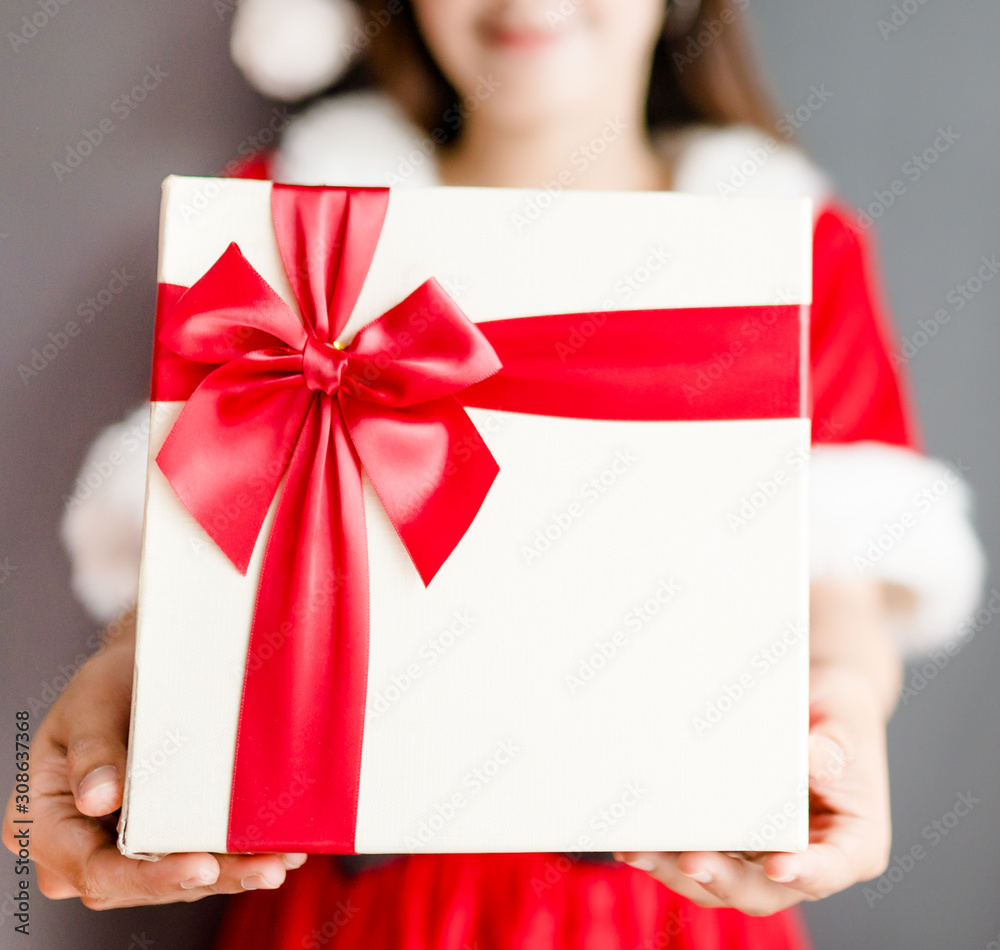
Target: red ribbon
column 269, row 397
column 282, row 400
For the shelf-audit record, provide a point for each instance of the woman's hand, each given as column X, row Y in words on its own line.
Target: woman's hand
column 849, row 829
column 77, row 772
column 854, row 683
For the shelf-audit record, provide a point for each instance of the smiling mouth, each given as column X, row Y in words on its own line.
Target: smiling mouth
column 520, row 39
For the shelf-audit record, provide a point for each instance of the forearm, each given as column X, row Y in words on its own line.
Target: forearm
column 850, row 631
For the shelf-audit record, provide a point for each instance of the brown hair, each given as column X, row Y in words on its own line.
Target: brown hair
column 705, row 72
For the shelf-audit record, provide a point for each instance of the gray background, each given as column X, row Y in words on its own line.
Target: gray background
column 60, row 241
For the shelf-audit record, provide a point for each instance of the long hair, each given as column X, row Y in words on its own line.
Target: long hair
column 705, row 72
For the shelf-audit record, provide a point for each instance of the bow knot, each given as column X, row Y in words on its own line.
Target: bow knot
column 393, row 411
column 323, row 366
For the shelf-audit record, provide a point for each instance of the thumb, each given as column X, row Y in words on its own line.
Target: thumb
column 100, row 791
column 95, row 757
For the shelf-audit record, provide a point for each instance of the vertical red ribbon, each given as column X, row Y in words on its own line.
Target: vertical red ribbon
column 277, row 397
column 298, row 750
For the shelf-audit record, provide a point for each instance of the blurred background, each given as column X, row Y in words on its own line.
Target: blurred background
column 895, row 73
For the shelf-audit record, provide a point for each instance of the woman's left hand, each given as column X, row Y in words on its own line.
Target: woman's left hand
column 849, row 827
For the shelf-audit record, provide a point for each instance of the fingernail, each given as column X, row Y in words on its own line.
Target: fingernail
column 702, row 877
column 790, row 875
column 784, row 879
column 100, row 788
column 200, row 880
column 642, row 864
column 292, row 861
column 257, row 882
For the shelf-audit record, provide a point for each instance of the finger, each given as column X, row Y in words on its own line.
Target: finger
column 108, row 879
column 736, row 883
column 250, row 873
column 849, row 782
column 80, row 852
column 96, row 739
column 236, row 874
column 662, row 866
column 850, row 828
column 78, row 857
column 824, row 868
column 52, row 885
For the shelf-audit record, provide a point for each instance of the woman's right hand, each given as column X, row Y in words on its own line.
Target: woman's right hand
column 77, row 778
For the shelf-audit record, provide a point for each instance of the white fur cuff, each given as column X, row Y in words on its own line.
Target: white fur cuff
column 102, row 525
column 892, row 514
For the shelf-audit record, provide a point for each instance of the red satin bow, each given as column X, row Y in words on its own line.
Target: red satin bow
column 394, row 386
column 285, row 402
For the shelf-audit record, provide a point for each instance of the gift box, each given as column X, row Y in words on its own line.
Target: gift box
column 468, row 530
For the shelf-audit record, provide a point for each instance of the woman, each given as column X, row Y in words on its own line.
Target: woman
column 513, row 93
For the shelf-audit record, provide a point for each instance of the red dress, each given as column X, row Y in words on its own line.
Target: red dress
column 552, row 901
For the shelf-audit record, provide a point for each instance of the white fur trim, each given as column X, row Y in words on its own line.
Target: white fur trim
column 741, row 161
column 889, row 513
column 290, row 49
column 361, row 139
column 102, row 525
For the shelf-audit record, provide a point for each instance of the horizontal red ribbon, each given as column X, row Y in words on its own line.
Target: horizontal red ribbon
column 695, row 363
column 269, row 397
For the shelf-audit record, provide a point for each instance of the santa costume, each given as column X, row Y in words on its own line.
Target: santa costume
column 866, row 468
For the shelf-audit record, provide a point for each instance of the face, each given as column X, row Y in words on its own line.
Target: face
column 531, row 61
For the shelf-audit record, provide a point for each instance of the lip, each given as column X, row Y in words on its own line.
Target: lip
column 522, row 40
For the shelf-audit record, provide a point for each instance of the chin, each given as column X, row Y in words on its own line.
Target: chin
column 527, row 100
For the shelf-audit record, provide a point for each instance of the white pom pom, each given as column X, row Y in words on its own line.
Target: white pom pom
column 290, row 49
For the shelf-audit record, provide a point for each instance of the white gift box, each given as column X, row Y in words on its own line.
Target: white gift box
column 615, row 655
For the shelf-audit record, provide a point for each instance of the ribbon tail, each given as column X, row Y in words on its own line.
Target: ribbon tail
column 298, row 750
column 430, row 468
